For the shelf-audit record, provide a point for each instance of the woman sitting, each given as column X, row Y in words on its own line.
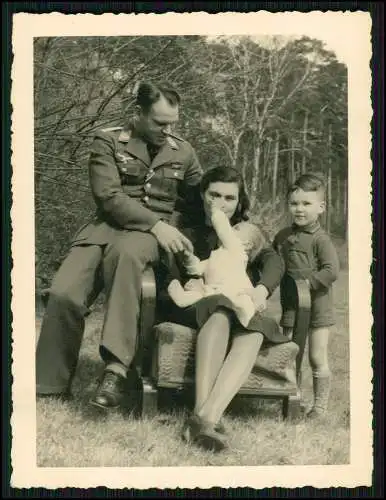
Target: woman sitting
column 216, row 282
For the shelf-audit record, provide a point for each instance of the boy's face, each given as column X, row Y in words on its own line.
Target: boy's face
column 305, row 206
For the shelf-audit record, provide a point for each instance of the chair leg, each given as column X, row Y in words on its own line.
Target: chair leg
column 149, row 406
column 292, row 407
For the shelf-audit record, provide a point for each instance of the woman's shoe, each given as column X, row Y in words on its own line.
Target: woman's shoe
column 208, row 435
column 191, row 426
column 209, row 438
column 219, row 427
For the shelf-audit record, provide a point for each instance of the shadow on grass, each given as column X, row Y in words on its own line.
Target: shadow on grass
column 172, row 403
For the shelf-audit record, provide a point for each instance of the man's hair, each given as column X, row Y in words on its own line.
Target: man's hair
column 308, row 182
column 148, row 93
column 228, row 174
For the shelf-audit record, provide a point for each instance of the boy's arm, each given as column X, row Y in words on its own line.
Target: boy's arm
column 269, row 266
column 181, row 297
column 224, row 231
column 328, row 264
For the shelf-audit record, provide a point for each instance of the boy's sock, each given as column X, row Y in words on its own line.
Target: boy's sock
column 321, row 384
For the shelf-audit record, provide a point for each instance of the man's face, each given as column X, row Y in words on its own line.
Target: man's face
column 157, row 121
column 305, row 206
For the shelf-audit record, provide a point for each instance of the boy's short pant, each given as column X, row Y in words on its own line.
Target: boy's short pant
column 322, row 310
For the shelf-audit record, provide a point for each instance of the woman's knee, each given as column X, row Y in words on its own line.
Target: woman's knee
column 222, row 316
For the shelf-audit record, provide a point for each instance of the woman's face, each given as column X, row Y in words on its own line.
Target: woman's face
column 221, row 195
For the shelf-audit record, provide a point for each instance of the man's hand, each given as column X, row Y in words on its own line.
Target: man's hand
column 259, row 296
column 170, row 238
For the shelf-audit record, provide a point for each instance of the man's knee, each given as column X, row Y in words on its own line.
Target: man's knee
column 133, row 248
column 65, row 297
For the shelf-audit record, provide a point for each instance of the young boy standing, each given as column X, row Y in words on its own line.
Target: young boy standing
column 309, row 253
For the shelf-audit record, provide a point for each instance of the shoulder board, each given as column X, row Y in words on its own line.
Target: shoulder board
column 111, row 129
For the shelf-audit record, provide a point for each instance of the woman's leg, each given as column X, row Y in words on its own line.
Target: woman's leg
column 318, row 356
column 233, row 374
column 212, row 344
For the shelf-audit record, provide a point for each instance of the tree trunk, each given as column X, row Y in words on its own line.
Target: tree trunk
column 329, row 200
column 297, row 169
column 345, row 208
column 292, row 161
column 338, row 200
column 236, row 145
column 255, row 174
column 275, row 169
column 244, row 171
column 304, row 154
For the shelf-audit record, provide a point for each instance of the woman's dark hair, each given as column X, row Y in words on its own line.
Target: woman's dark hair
column 148, row 93
column 228, row 174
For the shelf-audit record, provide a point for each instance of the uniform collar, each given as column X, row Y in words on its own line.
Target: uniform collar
column 310, row 228
column 136, row 146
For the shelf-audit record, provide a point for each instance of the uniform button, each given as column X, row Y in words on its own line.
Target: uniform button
column 151, row 171
column 148, row 185
column 146, row 198
column 175, row 174
column 124, row 169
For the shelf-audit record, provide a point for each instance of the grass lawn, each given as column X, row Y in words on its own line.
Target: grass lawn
column 73, row 434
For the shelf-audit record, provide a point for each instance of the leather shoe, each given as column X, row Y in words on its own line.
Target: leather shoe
column 111, row 392
column 205, row 434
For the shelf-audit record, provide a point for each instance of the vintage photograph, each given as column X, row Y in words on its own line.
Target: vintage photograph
column 191, row 245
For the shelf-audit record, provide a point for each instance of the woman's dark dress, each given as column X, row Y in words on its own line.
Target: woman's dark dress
column 267, row 269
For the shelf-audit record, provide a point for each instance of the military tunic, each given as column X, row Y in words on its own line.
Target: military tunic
column 132, row 192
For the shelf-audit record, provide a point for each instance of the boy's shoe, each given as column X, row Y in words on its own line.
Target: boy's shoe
column 316, row 414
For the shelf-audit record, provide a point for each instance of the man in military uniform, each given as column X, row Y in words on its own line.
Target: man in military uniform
column 137, row 174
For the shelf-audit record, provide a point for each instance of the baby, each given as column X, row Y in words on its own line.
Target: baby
column 224, row 272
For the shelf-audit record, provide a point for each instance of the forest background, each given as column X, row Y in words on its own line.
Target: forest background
column 271, row 106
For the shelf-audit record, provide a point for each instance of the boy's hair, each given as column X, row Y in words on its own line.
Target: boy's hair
column 308, row 182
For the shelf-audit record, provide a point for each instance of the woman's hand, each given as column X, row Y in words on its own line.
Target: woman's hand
column 259, row 296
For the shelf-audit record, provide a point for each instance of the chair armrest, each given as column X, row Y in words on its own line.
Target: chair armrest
column 147, row 313
column 302, row 293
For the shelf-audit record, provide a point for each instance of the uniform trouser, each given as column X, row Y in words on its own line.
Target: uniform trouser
column 118, row 268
